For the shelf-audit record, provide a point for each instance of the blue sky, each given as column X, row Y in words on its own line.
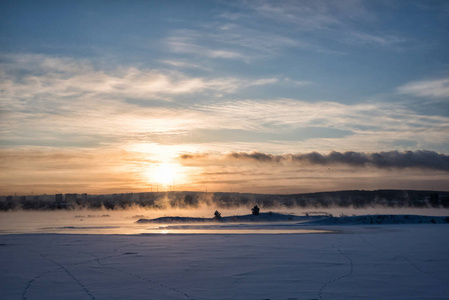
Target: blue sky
column 116, row 90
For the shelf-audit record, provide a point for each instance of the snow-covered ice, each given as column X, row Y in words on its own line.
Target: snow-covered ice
column 406, row 261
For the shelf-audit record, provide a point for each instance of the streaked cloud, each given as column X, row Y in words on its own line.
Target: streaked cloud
column 231, row 40
column 64, row 77
column 384, row 40
column 184, row 64
column 183, row 43
column 373, row 122
column 332, row 20
column 49, row 101
column 437, row 88
column 308, row 15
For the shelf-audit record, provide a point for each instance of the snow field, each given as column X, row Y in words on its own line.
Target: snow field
column 361, row 262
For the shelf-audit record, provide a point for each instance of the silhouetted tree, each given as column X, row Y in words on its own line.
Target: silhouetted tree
column 217, row 215
column 255, row 210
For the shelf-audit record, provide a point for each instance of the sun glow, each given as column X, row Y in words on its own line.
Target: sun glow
column 164, row 174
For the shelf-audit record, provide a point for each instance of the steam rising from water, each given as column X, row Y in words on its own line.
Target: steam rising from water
column 123, row 221
column 200, row 200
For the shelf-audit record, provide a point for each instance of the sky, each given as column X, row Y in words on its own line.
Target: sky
column 241, row 96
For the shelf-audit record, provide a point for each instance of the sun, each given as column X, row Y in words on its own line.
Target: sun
column 162, row 174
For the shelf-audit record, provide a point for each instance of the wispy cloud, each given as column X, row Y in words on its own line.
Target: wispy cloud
column 33, row 76
column 186, row 42
column 231, row 40
column 302, row 25
column 69, row 102
column 438, row 88
column 51, row 101
column 64, row 77
column 381, row 40
column 333, row 20
column 372, row 125
column 297, row 113
column 307, row 15
column 297, row 82
column 184, row 64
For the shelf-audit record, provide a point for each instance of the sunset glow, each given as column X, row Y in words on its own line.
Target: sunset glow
column 164, row 174
column 224, row 149
column 282, row 97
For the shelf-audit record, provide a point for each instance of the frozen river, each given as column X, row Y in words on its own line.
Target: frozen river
column 360, row 262
column 124, row 221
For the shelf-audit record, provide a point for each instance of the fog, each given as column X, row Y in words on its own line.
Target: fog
column 118, row 213
column 123, row 221
column 357, row 199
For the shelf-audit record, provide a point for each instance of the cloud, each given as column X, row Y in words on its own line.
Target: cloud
column 232, row 41
column 297, row 82
column 438, row 88
column 184, row 64
column 64, row 77
column 383, row 160
column 50, row 101
column 30, row 76
column 307, row 15
column 185, row 44
column 299, row 25
column 269, row 115
column 194, row 155
column 382, row 40
column 339, row 21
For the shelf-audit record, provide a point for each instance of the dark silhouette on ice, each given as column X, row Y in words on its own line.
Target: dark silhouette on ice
column 255, row 210
column 217, row 215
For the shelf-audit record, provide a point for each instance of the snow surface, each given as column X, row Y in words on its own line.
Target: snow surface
column 381, row 219
column 306, row 220
column 262, row 217
column 405, row 261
